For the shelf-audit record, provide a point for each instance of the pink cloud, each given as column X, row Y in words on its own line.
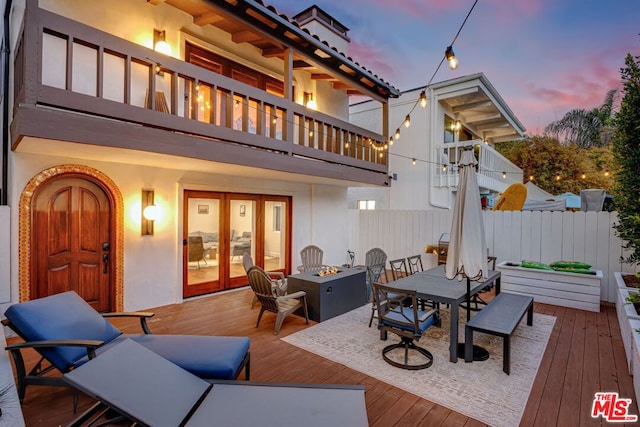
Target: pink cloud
column 373, row 58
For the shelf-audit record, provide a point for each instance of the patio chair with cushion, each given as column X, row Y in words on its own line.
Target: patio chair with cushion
column 397, row 316
column 398, row 268
column 311, row 256
column 134, row 386
column 415, row 264
column 373, row 257
column 282, row 305
column 66, row 331
column 277, row 277
column 376, row 273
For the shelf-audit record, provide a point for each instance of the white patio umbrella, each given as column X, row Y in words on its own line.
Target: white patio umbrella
column 467, row 253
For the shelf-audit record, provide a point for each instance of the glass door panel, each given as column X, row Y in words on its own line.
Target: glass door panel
column 275, row 236
column 202, row 245
column 242, row 235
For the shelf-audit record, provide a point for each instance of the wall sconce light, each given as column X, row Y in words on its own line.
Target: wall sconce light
column 451, row 58
column 150, row 212
column 309, row 102
column 159, row 42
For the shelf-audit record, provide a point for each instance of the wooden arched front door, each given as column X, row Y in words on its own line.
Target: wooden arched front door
column 71, row 240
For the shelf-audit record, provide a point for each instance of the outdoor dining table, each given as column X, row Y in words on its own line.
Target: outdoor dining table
column 433, row 285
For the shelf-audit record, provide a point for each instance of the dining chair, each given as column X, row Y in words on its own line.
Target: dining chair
column 373, row 256
column 277, row 277
column 415, row 264
column 281, row 305
column 311, row 257
column 376, row 273
column 398, row 268
column 404, row 319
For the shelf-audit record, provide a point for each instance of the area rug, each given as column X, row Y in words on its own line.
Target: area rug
column 480, row 390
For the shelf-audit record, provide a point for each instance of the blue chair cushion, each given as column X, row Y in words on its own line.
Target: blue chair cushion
column 212, row 357
column 63, row 316
column 393, row 319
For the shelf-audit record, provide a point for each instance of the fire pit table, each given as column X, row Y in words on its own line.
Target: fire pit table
column 331, row 294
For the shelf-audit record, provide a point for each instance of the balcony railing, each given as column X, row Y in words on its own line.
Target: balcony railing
column 73, row 67
column 495, row 172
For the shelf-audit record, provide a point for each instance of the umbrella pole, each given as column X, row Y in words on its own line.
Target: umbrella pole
column 468, row 299
column 479, row 353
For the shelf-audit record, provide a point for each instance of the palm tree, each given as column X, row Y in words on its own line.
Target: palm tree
column 587, row 129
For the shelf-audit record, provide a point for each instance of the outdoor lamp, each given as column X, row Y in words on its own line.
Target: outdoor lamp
column 159, row 42
column 423, row 99
column 150, row 213
column 451, row 58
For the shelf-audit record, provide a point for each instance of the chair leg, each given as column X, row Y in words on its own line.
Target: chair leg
column 306, row 312
column 255, row 300
column 279, row 320
column 373, row 313
column 260, row 316
column 407, row 344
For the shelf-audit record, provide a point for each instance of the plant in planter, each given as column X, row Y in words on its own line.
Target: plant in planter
column 634, row 299
column 626, row 152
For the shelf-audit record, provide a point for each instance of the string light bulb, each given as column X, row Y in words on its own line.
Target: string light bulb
column 390, row 140
column 397, row 134
column 451, row 58
column 557, row 178
column 504, row 175
column 444, row 168
column 423, row 99
column 583, row 176
column 407, row 121
column 531, row 177
column 606, row 173
column 413, row 162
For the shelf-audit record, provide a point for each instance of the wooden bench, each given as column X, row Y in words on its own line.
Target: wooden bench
column 500, row 317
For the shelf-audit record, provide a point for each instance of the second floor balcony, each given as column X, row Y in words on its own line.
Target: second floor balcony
column 495, row 172
column 75, row 83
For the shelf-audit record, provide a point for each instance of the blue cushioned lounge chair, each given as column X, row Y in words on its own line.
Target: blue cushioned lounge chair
column 66, row 331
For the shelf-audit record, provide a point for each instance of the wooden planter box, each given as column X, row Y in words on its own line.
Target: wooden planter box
column 635, row 356
column 626, row 314
column 581, row 291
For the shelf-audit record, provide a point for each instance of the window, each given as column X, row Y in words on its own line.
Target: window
column 366, row 204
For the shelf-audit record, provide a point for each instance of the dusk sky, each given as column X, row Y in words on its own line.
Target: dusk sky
column 544, row 57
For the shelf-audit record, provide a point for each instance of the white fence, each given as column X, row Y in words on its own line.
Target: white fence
column 511, row 236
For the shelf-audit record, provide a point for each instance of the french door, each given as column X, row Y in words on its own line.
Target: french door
column 220, row 227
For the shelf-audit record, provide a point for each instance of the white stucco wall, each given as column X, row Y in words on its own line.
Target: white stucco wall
column 153, row 264
column 411, row 190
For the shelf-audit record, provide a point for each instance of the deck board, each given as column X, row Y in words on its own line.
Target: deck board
column 584, row 355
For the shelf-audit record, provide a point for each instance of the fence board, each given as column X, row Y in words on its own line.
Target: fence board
column 511, row 236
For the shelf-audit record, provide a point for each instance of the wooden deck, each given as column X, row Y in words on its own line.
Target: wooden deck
column 584, row 355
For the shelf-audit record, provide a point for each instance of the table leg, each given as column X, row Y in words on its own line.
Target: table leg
column 453, row 334
column 497, row 285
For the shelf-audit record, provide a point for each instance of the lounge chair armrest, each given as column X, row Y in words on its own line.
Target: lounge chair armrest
column 90, row 345
column 142, row 315
column 278, row 275
column 293, row 295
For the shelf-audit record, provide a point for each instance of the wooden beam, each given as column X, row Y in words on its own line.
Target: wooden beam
column 299, row 64
column 245, row 36
column 317, row 76
column 155, row 2
column 273, row 52
column 207, row 18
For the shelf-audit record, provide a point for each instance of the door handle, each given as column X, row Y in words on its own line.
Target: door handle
column 105, row 261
